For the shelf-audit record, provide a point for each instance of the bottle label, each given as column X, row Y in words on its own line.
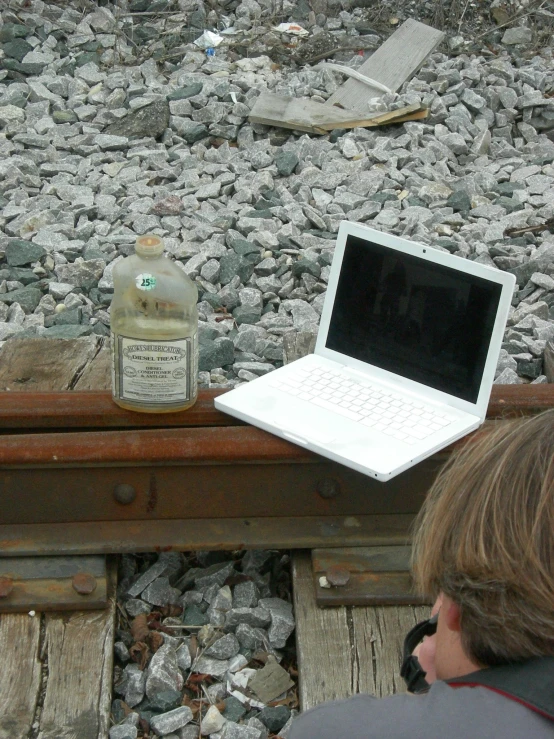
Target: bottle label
column 145, row 281
column 154, row 372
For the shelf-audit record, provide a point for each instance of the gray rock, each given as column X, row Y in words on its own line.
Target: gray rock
column 27, row 297
column 282, row 620
column 16, row 49
column 134, row 606
column 256, row 617
column 193, row 132
column 212, row 721
column 286, row 162
column 160, row 592
column 183, row 657
column 166, row 723
column 163, row 672
column 154, row 571
column 234, row 709
column 64, row 116
column 83, row 274
column 210, row 666
column 250, row 637
column 193, row 616
column 219, row 605
column 135, row 686
column 239, row 731
column 123, row 731
column 188, row 91
column 508, row 377
column 275, row 717
column 151, row 120
column 223, row 648
column 517, row 35
column 217, row 353
column 245, row 595
column 67, row 332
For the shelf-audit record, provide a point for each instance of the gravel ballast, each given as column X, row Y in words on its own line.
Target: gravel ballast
column 100, row 146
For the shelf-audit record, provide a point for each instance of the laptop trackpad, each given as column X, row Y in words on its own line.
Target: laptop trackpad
column 303, row 433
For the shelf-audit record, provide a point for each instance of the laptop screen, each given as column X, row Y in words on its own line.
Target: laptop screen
column 415, row 318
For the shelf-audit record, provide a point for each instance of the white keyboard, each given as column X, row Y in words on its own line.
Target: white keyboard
column 404, row 419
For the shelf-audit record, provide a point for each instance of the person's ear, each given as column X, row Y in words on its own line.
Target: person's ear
column 452, row 615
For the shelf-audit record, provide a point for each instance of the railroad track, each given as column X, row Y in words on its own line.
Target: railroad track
column 82, row 477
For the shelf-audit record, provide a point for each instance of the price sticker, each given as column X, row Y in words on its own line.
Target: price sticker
column 145, row 281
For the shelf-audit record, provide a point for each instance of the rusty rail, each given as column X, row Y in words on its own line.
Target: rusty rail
column 80, row 475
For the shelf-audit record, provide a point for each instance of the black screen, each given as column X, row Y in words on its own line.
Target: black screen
column 418, row 319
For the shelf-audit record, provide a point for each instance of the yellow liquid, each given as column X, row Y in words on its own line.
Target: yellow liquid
column 154, row 322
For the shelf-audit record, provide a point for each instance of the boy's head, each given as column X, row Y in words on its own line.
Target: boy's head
column 485, row 538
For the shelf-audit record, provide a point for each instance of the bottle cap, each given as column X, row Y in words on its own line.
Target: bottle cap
column 149, row 245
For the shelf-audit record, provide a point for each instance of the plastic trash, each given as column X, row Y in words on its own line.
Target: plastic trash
column 208, row 40
column 210, row 51
column 292, row 28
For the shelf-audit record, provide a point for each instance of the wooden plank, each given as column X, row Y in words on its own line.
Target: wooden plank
column 304, row 532
column 326, row 668
column 391, row 64
column 343, row 651
column 97, row 374
column 408, row 113
column 377, row 635
column 45, row 364
column 80, row 663
column 21, row 674
column 312, row 117
column 298, row 114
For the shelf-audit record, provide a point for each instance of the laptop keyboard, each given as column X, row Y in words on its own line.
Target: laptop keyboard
column 404, row 419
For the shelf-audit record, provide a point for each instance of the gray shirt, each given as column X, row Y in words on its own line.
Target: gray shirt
column 455, row 713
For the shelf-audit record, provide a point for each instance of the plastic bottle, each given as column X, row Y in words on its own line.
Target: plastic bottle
column 154, row 332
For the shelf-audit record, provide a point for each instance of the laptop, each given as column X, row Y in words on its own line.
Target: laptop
column 404, row 361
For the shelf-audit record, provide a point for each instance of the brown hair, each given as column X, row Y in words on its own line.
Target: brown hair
column 485, row 538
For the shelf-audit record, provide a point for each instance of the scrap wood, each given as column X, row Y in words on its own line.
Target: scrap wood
column 354, row 74
column 546, row 226
column 392, row 64
column 306, row 115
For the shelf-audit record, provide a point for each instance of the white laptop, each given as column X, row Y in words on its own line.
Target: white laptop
column 404, row 362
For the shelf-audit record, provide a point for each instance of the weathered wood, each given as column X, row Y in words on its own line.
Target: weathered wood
column 391, row 64
column 298, row 114
column 326, row 669
column 376, row 637
column 205, row 533
column 20, row 674
column 297, row 344
column 408, row 113
column 45, row 364
column 80, row 662
column 307, row 115
column 343, row 651
column 97, row 373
